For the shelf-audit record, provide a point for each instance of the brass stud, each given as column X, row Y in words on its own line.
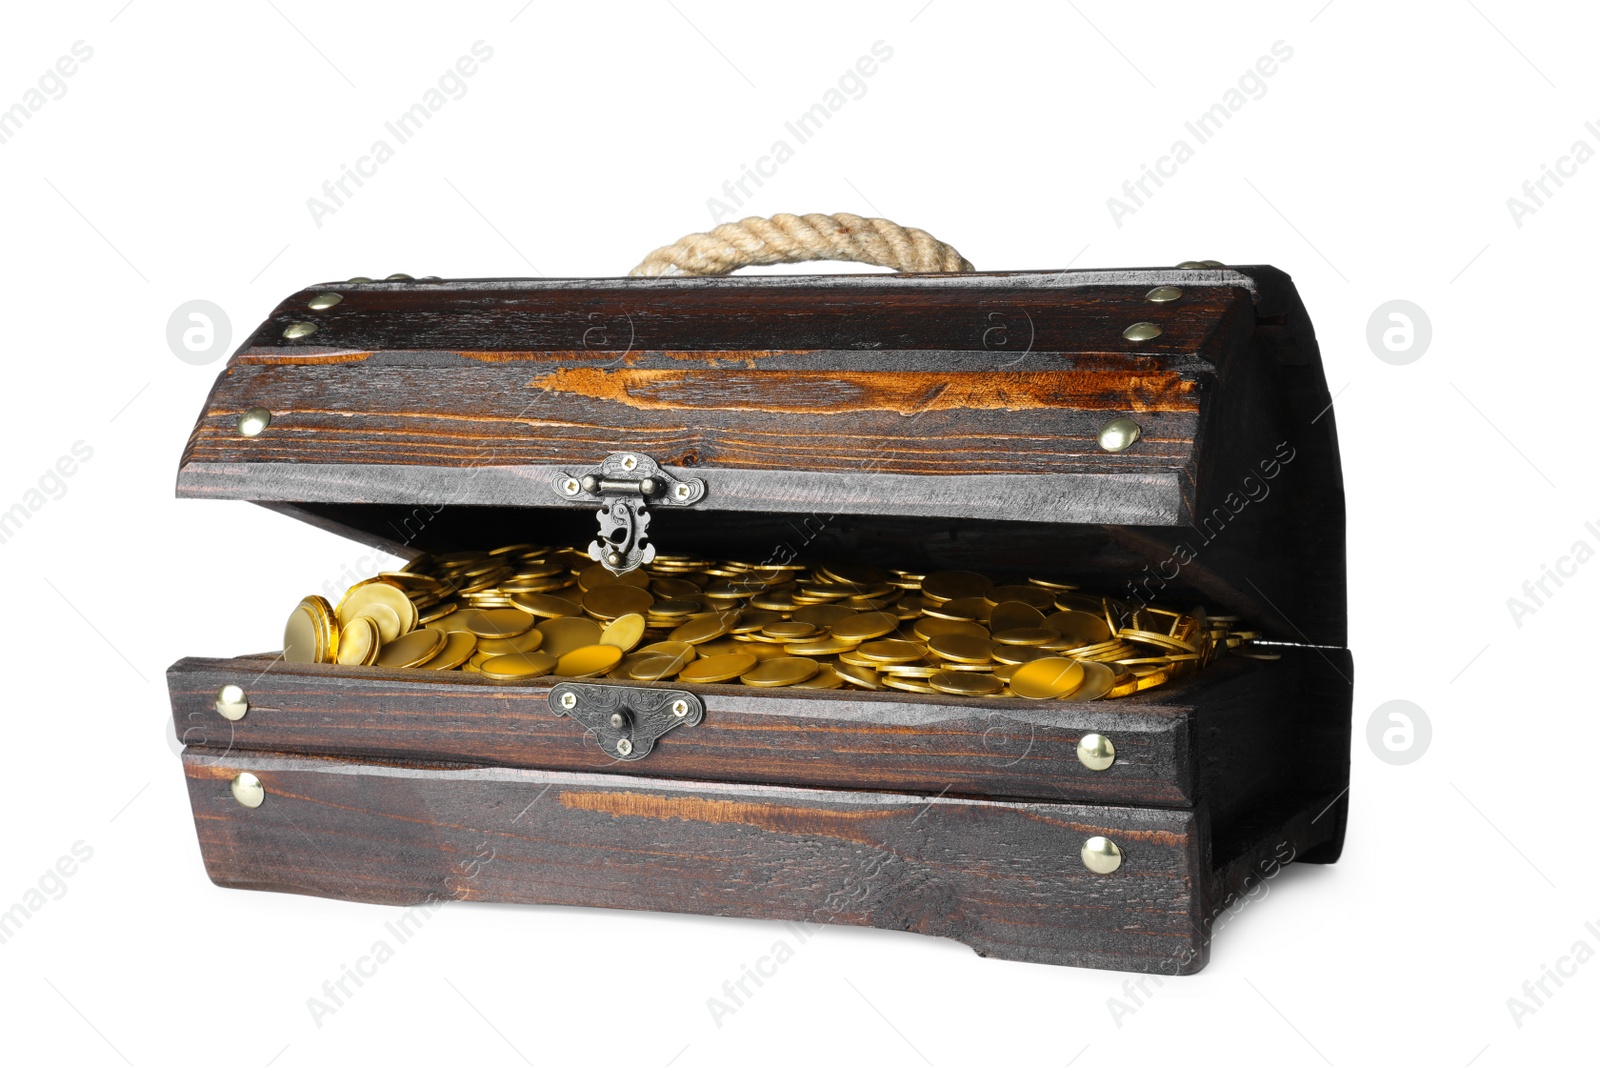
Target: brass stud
column 324, row 301
column 231, row 703
column 296, row 330
column 1199, row 264
column 358, row 280
column 248, row 790
column 254, row 421
column 1163, row 294
column 1096, row 752
column 1119, row 434
column 399, row 278
column 1101, row 855
column 1142, row 331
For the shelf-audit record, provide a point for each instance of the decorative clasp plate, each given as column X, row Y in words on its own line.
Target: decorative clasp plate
column 623, row 484
column 626, row 721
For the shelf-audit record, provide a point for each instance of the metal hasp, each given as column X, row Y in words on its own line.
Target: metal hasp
column 623, row 484
column 626, row 721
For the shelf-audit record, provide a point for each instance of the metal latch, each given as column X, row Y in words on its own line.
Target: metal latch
column 626, row 721
column 623, row 484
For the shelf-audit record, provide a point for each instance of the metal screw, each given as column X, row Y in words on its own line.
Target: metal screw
column 569, row 700
column 324, row 301
column 399, row 278
column 248, row 790
column 624, row 747
column 1119, row 434
column 680, row 708
column 614, row 558
column 618, row 720
column 1101, row 855
column 629, row 462
column 1096, row 752
column 231, row 703
column 647, row 486
column 681, row 491
column 254, row 421
column 296, row 330
column 1142, row 331
column 570, row 486
column 1163, row 294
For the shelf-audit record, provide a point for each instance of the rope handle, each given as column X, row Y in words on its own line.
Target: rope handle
column 798, row 238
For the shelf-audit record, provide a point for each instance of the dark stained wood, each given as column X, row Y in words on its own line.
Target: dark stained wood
column 1004, row 878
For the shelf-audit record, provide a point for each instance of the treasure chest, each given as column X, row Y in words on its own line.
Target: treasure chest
column 823, row 530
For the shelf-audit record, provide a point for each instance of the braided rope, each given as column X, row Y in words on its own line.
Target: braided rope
column 797, row 238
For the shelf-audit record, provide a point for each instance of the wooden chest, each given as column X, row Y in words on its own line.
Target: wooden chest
column 890, row 423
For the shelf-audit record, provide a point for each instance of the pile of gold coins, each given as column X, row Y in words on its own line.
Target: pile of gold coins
column 524, row 611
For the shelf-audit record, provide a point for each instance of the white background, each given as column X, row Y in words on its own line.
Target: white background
column 1377, row 166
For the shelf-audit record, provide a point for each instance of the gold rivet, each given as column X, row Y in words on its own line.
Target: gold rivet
column 399, row 278
column 324, row 301
column 1199, row 264
column 1142, row 331
column 254, row 421
column 296, row 330
column 1101, row 855
column 1096, row 752
column 1163, row 294
column 231, row 703
column 248, row 790
column 357, row 280
column 1119, row 434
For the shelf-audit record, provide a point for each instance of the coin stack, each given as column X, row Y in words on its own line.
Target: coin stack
column 525, row 611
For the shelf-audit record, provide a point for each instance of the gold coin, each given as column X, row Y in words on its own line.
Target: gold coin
column 1097, row 682
column 358, row 642
column 962, row 648
column 891, row 651
column 825, row 678
column 615, row 601
column 963, row 667
column 311, row 634
column 545, row 605
column 1147, row 637
column 923, row 668
column 459, row 647
column 379, row 592
column 566, row 634
column 651, row 667
column 676, row 609
column 597, row 577
column 1090, row 629
column 1014, row 615
column 823, row 645
column 752, row 621
column 1015, row 654
column 1036, row 636
column 791, row 630
column 437, row 612
column 785, row 670
column 505, row 646
column 1047, row 583
column 588, row 661
column 865, row 626
column 928, row 628
column 1048, row 678
column 1036, row 597
column 412, row 649
column 821, row 616
column 705, row 628
column 910, row 685
column 864, row 677
column 964, row 683
column 461, row 620
column 517, row 665
column 501, row 622
column 717, row 668
column 388, row 623
column 674, row 588
column 951, row 585
column 624, row 632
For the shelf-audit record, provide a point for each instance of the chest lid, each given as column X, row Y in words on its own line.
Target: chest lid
column 1101, row 399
